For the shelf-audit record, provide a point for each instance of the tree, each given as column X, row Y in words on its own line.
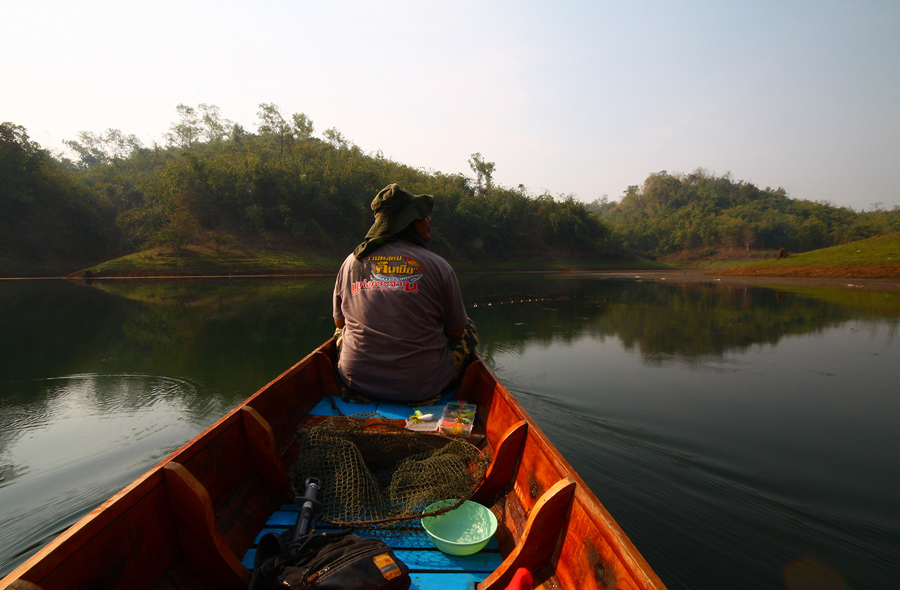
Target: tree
column 236, row 134
column 47, row 215
column 484, row 172
column 96, row 149
column 21, row 161
column 336, row 138
column 213, row 126
column 89, row 149
column 185, row 133
column 303, row 126
column 813, row 234
column 748, row 236
column 272, row 123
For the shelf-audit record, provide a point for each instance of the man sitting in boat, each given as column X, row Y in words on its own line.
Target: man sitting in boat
column 403, row 333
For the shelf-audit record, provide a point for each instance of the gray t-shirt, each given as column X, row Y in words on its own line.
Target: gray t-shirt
column 396, row 305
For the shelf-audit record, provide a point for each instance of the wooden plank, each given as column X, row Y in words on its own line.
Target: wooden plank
column 200, row 537
column 537, row 473
column 472, row 381
column 261, row 439
column 474, row 439
column 444, row 581
column 104, row 537
column 437, row 561
column 417, row 538
column 540, row 538
column 429, row 560
column 224, row 463
column 225, row 468
column 501, row 473
column 511, row 520
column 291, row 395
column 244, row 515
column 594, row 555
column 284, row 517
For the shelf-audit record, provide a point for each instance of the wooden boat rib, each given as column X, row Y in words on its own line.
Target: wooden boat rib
column 188, row 521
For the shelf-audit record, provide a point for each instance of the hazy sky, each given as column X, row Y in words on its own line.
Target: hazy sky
column 580, row 98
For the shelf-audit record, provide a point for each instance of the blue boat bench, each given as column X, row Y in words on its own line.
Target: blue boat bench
column 430, row 569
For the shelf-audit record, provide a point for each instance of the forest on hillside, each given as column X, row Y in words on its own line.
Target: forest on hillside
column 279, row 186
column 216, row 182
column 703, row 213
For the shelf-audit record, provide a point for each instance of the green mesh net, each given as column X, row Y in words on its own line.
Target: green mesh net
column 375, row 473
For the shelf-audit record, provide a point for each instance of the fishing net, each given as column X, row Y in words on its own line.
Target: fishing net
column 374, row 473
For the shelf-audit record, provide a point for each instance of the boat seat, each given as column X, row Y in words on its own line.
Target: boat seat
column 196, row 519
column 200, row 535
column 331, row 406
column 540, row 538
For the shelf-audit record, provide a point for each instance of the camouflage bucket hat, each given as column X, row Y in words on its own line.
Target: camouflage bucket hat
column 396, row 208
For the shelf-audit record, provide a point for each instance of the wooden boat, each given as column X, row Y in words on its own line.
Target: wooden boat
column 192, row 520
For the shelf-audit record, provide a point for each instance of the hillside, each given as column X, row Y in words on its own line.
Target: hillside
column 222, row 185
column 220, row 199
column 705, row 214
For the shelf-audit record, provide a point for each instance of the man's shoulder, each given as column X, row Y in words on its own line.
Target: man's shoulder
column 414, row 251
column 429, row 258
column 348, row 261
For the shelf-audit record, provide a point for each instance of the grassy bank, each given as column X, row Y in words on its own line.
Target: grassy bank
column 877, row 257
column 207, row 261
column 873, row 258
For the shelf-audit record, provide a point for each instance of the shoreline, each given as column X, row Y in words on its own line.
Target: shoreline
column 699, row 275
column 685, row 275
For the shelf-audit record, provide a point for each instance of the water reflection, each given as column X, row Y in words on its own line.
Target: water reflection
column 663, row 322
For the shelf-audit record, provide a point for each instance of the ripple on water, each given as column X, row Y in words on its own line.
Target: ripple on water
column 79, row 440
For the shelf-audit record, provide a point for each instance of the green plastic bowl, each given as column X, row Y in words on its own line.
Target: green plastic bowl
column 462, row 531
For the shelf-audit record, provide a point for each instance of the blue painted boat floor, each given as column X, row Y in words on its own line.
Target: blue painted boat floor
column 430, row 569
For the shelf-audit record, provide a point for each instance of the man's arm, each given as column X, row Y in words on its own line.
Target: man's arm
column 455, row 334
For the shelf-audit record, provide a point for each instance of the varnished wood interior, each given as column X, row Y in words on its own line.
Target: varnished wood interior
column 184, row 523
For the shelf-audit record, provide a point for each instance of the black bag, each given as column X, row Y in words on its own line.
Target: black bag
column 337, row 561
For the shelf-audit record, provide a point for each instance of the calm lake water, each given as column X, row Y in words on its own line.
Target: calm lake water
column 744, row 438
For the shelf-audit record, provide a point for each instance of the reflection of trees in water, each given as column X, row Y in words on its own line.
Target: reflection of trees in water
column 238, row 334
column 121, row 346
column 693, row 320
column 660, row 320
column 235, row 335
column 53, row 328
